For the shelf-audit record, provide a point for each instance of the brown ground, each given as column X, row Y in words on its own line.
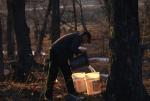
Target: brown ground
column 34, row 89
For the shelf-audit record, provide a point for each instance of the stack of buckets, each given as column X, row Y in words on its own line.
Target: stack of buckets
column 87, row 83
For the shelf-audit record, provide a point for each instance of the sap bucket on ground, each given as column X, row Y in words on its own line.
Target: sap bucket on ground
column 93, row 83
column 79, row 82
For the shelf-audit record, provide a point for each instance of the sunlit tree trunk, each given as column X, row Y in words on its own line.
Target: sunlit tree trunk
column 125, row 81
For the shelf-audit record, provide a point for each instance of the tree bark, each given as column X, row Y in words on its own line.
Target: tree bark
column 147, row 18
column 23, row 41
column 36, row 22
column 42, row 33
column 10, row 34
column 55, row 25
column 82, row 15
column 125, row 81
column 1, row 55
column 108, row 7
column 75, row 15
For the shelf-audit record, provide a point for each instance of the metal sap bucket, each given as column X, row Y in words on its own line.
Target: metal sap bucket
column 79, row 61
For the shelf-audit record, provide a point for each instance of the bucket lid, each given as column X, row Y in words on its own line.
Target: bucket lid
column 78, row 75
column 94, row 75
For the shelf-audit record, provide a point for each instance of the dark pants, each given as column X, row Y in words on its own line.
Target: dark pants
column 59, row 63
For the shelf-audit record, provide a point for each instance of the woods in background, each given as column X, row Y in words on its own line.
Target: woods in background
column 125, row 22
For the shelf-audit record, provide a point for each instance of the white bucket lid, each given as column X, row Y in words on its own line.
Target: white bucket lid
column 78, row 75
column 93, row 75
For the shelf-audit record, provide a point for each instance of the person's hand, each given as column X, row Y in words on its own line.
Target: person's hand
column 83, row 49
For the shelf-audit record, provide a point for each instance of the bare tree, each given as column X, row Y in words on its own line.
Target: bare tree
column 10, row 34
column 44, row 26
column 75, row 15
column 125, row 81
column 108, row 9
column 146, row 22
column 23, row 41
column 1, row 55
column 55, row 24
column 36, row 22
column 63, row 20
column 82, row 15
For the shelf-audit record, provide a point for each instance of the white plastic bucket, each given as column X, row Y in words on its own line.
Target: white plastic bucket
column 93, row 84
column 79, row 82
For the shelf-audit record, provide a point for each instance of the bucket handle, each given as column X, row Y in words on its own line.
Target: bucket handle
column 91, row 68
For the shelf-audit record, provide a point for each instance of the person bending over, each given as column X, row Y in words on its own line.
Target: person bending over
column 61, row 52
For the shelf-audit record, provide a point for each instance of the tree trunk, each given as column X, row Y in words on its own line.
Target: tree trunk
column 1, row 55
column 82, row 16
column 147, row 18
column 75, row 15
column 36, row 22
column 55, row 26
column 23, row 40
column 10, row 35
column 42, row 33
column 108, row 8
column 125, row 81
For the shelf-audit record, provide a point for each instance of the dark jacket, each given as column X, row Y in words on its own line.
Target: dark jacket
column 66, row 46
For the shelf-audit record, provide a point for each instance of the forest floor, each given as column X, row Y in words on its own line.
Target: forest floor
column 34, row 88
